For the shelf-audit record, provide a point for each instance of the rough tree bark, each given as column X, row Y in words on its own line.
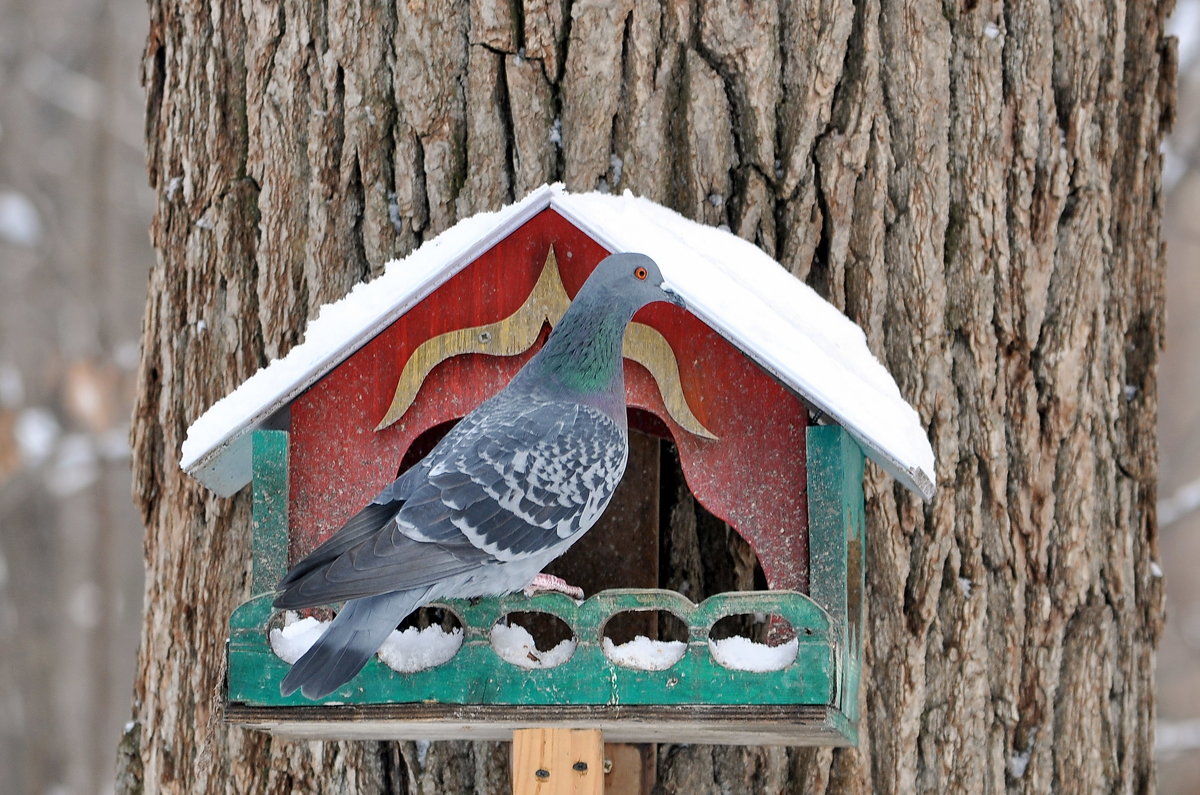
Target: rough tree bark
column 977, row 185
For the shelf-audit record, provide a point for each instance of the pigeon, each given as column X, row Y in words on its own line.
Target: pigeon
column 509, row 489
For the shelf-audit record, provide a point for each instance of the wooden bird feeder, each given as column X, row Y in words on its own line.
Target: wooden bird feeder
column 735, row 382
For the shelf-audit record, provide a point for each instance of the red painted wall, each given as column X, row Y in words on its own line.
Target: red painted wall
column 752, row 476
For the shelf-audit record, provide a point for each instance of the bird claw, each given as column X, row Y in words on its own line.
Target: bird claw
column 548, row 582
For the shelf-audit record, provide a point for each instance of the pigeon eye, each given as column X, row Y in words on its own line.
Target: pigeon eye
column 640, row 274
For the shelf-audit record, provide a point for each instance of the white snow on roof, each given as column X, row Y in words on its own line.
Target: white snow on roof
column 217, row 448
column 729, row 283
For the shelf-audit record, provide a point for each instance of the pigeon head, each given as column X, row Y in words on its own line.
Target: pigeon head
column 629, row 280
column 583, row 354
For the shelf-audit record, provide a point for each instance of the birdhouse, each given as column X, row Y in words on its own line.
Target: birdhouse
column 768, row 395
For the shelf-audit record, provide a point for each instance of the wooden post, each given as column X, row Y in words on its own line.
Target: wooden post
column 558, row 762
column 631, row 768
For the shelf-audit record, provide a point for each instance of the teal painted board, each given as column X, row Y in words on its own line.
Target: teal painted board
column 836, row 526
column 478, row 675
column 270, row 509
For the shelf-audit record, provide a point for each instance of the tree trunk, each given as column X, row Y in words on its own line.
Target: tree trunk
column 978, row 186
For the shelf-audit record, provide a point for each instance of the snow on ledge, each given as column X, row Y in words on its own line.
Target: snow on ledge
column 644, row 653
column 514, row 644
column 405, row 650
column 743, row 654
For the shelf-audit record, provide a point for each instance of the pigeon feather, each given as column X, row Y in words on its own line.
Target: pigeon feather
column 510, row 488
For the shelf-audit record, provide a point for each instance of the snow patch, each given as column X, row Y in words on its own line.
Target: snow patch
column 1184, row 24
column 1018, row 760
column 645, row 654
column 743, row 654
column 297, row 636
column 1173, row 737
column 515, row 645
column 406, row 650
column 20, row 223
column 618, row 165
column 413, row 649
column 394, row 213
column 1017, row 763
column 36, row 431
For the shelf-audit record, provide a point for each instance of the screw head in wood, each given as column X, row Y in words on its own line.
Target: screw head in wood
column 542, row 773
column 581, row 766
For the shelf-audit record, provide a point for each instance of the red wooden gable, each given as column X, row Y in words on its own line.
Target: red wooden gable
column 752, row 476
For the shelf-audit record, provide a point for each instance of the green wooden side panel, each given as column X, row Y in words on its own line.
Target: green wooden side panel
column 269, row 518
column 836, row 533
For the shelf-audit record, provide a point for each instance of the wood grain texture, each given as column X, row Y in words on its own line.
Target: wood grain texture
column 977, row 185
column 767, row 724
column 558, row 762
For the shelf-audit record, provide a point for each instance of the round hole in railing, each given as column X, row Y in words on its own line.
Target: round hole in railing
column 291, row 634
column 425, row 639
column 753, row 642
column 650, row 640
column 533, row 639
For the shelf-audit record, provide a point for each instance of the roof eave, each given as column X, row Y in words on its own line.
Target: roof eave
column 226, row 467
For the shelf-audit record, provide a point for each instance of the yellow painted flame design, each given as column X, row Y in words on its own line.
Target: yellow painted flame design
column 517, row 333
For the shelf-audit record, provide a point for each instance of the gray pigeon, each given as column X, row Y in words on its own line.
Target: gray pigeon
column 508, row 490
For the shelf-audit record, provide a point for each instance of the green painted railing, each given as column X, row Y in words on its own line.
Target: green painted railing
column 827, row 623
column 478, row 675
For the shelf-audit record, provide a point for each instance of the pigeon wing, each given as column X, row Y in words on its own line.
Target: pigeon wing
column 515, row 484
column 532, row 483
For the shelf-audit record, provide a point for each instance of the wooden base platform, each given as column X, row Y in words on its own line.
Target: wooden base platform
column 721, row 724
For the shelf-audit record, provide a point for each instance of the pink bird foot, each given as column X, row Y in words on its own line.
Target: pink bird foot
column 548, row 582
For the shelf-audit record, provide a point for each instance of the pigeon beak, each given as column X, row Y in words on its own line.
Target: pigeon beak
column 674, row 297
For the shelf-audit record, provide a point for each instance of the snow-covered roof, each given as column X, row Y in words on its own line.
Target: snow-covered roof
column 729, row 283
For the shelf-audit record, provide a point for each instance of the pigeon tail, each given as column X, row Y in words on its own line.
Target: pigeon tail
column 356, row 633
column 361, row 526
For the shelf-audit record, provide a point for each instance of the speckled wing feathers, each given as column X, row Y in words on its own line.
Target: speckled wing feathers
column 532, row 480
column 507, row 484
